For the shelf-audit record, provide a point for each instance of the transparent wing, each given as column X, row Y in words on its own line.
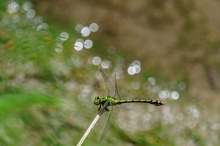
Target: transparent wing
column 107, row 123
column 116, row 94
column 108, row 84
column 112, row 90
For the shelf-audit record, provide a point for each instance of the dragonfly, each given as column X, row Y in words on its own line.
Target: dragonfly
column 113, row 99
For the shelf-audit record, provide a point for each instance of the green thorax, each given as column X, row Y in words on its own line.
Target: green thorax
column 101, row 100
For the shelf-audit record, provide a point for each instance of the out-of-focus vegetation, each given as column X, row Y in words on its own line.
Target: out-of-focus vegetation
column 46, row 85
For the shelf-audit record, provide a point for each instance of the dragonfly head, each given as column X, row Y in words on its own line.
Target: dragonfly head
column 96, row 101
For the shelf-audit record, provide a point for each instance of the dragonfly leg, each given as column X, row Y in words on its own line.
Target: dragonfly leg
column 107, row 103
column 99, row 107
column 106, row 109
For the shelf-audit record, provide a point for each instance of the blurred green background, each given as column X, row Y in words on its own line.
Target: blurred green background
column 51, row 52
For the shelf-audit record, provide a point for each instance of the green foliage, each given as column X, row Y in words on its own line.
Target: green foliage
column 155, row 137
column 12, row 102
column 16, row 116
column 25, row 59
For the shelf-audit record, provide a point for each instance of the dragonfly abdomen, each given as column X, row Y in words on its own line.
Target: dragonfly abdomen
column 154, row 102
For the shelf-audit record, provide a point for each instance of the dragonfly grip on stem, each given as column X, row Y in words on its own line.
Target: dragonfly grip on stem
column 104, row 108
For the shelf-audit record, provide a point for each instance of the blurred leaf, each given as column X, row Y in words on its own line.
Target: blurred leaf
column 12, row 102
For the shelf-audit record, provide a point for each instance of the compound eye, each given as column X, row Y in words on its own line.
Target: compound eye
column 97, row 97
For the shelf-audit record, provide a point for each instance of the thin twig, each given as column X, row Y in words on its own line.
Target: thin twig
column 90, row 127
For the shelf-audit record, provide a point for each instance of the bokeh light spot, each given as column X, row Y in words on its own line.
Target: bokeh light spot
column 106, row 64
column 78, row 46
column 59, row 48
column 13, row 7
column 182, row 86
column 163, row 94
column 134, row 67
column 152, row 80
column 137, row 68
column 42, row 26
column 94, row 27
column 131, row 70
column 85, row 31
column 137, row 62
column 30, row 14
column 80, row 40
column 96, row 60
column 26, row 6
column 64, row 36
column 88, row 44
column 174, row 95
column 78, row 27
